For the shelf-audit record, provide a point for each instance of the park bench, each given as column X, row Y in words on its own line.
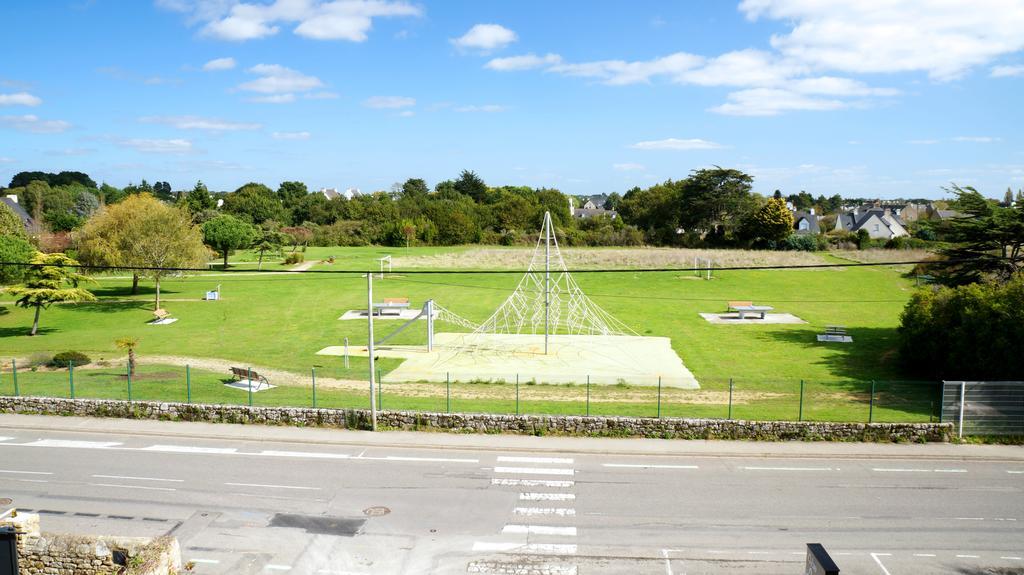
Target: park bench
column 745, row 307
column 161, row 314
column 391, row 306
column 244, row 374
column 835, row 333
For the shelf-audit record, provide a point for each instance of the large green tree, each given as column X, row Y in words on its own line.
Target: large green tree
column 198, row 199
column 715, row 200
column 14, row 249
column 987, row 242
column 771, row 222
column 226, row 232
column 471, row 185
column 50, row 279
column 254, row 203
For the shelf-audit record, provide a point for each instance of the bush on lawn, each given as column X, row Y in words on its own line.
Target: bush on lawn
column 294, row 258
column 970, row 332
column 64, row 358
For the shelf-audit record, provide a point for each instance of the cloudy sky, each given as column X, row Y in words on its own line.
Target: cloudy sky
column 860, row 97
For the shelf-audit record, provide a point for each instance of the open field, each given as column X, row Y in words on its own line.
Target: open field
column 279, row 321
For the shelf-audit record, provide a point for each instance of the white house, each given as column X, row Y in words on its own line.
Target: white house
column 880, row 223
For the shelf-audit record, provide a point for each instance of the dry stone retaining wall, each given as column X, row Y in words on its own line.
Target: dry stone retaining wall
column 666, row 427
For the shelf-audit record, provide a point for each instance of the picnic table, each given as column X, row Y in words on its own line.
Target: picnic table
column 747, row 307
column 391, row 306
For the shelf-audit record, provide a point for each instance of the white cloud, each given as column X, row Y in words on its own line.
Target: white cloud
column 773, row 101
column 524, row 62
column 621, row 72
column 19, row 99
column 278, row 84
column 317, row 19
column 629, row 167
column 676, row 144
column 944, row 39
column 741, row 68
column 486, row 37
column 1007, row 71
column 291, row 135
column 389, row 102
column 273, row 99
column 977, row 139
column 219, row 64
column 199, row 123
column 34, row 124
column 491, row 108
column 154, row 146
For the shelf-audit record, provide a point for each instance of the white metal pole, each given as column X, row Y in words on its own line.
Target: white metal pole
column 369, row 319
column 547, row 276
column 963, row 400
column 430, row 325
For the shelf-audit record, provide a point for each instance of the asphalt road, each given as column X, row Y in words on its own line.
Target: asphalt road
column 257, row 506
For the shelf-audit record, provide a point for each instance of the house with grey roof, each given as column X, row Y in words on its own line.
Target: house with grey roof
column 12, row 202
column 880, row 223
column 806, row 222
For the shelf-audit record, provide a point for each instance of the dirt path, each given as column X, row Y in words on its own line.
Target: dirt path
column 304, row 266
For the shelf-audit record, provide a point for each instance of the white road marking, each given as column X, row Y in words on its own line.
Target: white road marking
column 72, row 444
column 1014, row 472
column 138, row 478
column 970, row 518
column 29, row 480
column 517, row 459
column 278, row 567
column 133, row 487
column 668, row 562
column 559, row 511
column 1012, row 557
column 205, row 561
column 649, row 466
column 547, row 496
column 506, row 546
column 915, row 470
column 924, row 555
column 26, row 472
column 427, row 459
column 876, row 556
column 273, row 486
column 6, row 438
column 535, row 470
column 190, row 449
column 309, row 454
column 539, row 530
column 968, row 556
column 791, row 468
column 533, row 482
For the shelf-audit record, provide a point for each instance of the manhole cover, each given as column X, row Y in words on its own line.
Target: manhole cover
column 5, row 501
column 376, row 511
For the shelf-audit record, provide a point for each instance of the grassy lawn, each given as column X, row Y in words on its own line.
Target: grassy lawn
column 280, row 321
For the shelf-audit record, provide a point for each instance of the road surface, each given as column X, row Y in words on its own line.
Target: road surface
column 292, row 503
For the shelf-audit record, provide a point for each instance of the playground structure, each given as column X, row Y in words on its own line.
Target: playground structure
column 546, row 331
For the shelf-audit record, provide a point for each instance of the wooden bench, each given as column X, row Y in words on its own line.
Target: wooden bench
column 735, row 304
column 243, row 374
column 836, row 333
column 161, row 314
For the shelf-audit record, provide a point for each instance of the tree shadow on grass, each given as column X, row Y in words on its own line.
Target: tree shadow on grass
column 15, row 331
column 123, row 291
column 109, row 306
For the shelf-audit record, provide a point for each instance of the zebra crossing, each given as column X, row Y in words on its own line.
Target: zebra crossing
column 539, row 536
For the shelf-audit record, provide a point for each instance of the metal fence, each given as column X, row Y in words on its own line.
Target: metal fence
column 984, row 407
column 336, row 387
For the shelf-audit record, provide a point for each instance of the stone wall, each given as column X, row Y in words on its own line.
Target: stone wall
column 666, row 427
column 42, row 553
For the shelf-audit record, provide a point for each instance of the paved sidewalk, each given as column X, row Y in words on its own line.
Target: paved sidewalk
column 592, row 445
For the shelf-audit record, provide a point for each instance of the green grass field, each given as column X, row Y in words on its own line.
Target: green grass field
column 279, row 321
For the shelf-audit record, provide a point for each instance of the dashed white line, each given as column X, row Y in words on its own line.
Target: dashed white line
column 273, row 486
column 791, row 468
column 518, row 459
column 558, row 511
column 1014, row 472
column 278, row 567
column 138, row 478
column 924, row 555
column 147, row 488
column 535, row 470
column 968, row 556
column 26, row 472
column 876, row 556
column 648, row 466
column 1011, row 557
column 970, row 518
column 6, row 438
column 205, row 561
column 72, row 444
column 547, row 496
column 539, row 530
column 309, row 454
column 915, row 470
column 190, row 449
column 533, row 482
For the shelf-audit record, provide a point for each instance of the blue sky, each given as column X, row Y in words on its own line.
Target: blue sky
column 872, row 98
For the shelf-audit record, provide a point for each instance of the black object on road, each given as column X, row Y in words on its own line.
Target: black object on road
column 819, row 562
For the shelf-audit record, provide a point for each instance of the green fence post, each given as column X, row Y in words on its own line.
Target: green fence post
column 588, row 396
column 871, row 404
column 314, row 387
column 249, row 378
column 517, row 394
column 14, row 375
column 129, row 370
column 188, row 384
column 800, row 417
column 448, row 390
column 659, row 397
column 730, row 398
column 71, row 378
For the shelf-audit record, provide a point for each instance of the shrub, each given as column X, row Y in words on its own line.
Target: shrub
column 294, row 258
column 968, row 332
column 799, row 243
column 64, row 358
column 39, row 358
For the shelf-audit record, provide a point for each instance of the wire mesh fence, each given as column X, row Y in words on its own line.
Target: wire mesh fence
column 334, row 387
